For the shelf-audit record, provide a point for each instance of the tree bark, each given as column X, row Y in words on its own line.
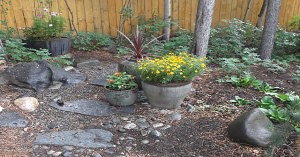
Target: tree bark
column 167, row 19
column 247, row 10
column 270, row 27
column 202, row 28
column 261, row 14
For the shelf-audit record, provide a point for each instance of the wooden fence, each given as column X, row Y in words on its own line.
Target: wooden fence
column 104, row 15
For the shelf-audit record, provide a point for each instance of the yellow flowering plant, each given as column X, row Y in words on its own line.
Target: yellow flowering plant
column 171, row 68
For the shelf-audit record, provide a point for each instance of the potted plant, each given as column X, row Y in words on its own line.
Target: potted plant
column 166, row 81
column 121, row 89
column 47, row 31
column 137, row 46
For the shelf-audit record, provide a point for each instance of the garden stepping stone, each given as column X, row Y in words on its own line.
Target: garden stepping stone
column 99, row 82
column 86, row 107
column 67, row 77
column 89, row 64
column 89, row 138
column 252, row 127
column 92, row 107
column 12, row 119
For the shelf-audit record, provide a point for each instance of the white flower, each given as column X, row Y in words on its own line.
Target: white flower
column 50, row 25
column 45, row 9
column 53, row 13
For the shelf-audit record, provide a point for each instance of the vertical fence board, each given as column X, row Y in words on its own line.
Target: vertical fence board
column 88, row 7
column 81, row 15
column 104, row 16
column 112, row 17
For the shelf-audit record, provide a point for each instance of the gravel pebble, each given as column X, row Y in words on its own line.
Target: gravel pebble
column 129, row 126
column 145, row 141
column 157, row 125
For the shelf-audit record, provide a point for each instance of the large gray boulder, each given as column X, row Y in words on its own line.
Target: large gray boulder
column 67, row 77
column 33, row 75
column 252, row 127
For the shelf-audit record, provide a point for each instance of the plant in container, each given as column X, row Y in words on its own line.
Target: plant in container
column 47, row 31
column 167, row 80
column 137, row 46
column 121, row 89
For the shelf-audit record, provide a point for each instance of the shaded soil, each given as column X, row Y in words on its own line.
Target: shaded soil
column 198, row 133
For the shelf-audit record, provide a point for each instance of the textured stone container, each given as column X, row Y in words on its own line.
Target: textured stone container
column 121, row 98
column 168, row 96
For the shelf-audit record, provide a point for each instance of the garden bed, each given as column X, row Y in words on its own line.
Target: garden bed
column 201, row 131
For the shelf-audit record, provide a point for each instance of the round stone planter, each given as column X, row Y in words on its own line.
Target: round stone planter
column 166, row 96
column 121, row 98
column 130, row 67
column 56, row 47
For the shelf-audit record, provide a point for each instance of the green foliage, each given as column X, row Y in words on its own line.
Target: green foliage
column 275, row 66
column 152, row 26
column 88, row 41
column 45, row 28
column 231, row 38
column 121, row 81
column 242, row 81
column 264, row 87
column 294, row 23
column 285, row 43
column 181, row 42
column 296, row 75
column 15, row 51
column 240, row 101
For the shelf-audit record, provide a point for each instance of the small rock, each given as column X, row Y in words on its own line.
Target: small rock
column 191, row 108
column 50, row 152
column 142, row 123
column 97, row 155
column 165, row 127
column 69, row 68
column 128, row 148
column 121, row 130
column 144, row 132
column 156, row 133
column 164, row 111
column 45, row 147
column 124, row 118
column 129, row 126
column 28, row 104
column 157, row 125
column 56, row 85
column 89, row 64
column 68, row 148
column 174, row 116
column 67, row 154
column 1, row 109
column 2, row 62
column 57, row 153
column 145, row 141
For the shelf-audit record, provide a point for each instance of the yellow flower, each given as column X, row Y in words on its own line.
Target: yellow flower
column 157, row 72
column 203, row 65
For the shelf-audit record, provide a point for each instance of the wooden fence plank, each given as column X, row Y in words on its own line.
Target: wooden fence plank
column 112, row 17
column 81, row 15
column 104, row 16
column 89, row 19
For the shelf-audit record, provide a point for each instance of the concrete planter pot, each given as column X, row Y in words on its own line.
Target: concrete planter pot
column 56, row 47
column 130, row 67
column 166, row 96
column 121, row 98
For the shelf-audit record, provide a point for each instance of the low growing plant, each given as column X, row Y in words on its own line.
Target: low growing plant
column 240, row 101
column 171, row 68
column 296, row 75
column 120, row 81
column 275, row 66
column 88, row 41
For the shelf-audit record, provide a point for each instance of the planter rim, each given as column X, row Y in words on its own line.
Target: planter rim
column 173, row 84
column 56, row 38
column 136, row 86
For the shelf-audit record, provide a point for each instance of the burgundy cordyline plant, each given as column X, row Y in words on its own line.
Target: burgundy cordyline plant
column 137, row 44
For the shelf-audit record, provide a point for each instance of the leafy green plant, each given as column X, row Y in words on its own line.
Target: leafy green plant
column 120, row 81
column 268, row 106
column 296, row 75
column 240, row 101
column 243, row 81
column 285, row 43
column 294, row 23
column 265, row 87
column 88, row 41
column 275, row 66
column 153, row 25
column 47, row 24
column 181, row 42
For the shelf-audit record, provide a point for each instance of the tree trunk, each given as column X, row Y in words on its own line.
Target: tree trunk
column 261, row 14
column 247, row 10
column 202, row 28
column 270, row 26
column 167, row 19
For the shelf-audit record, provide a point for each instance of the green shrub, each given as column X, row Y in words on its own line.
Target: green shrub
column 88, row 41
column 181, row 42
column 294, row 23
column 231, row 38
column 152, row 26
column 285, row 43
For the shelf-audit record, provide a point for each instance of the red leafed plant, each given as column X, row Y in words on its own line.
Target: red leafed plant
column 138, row 43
